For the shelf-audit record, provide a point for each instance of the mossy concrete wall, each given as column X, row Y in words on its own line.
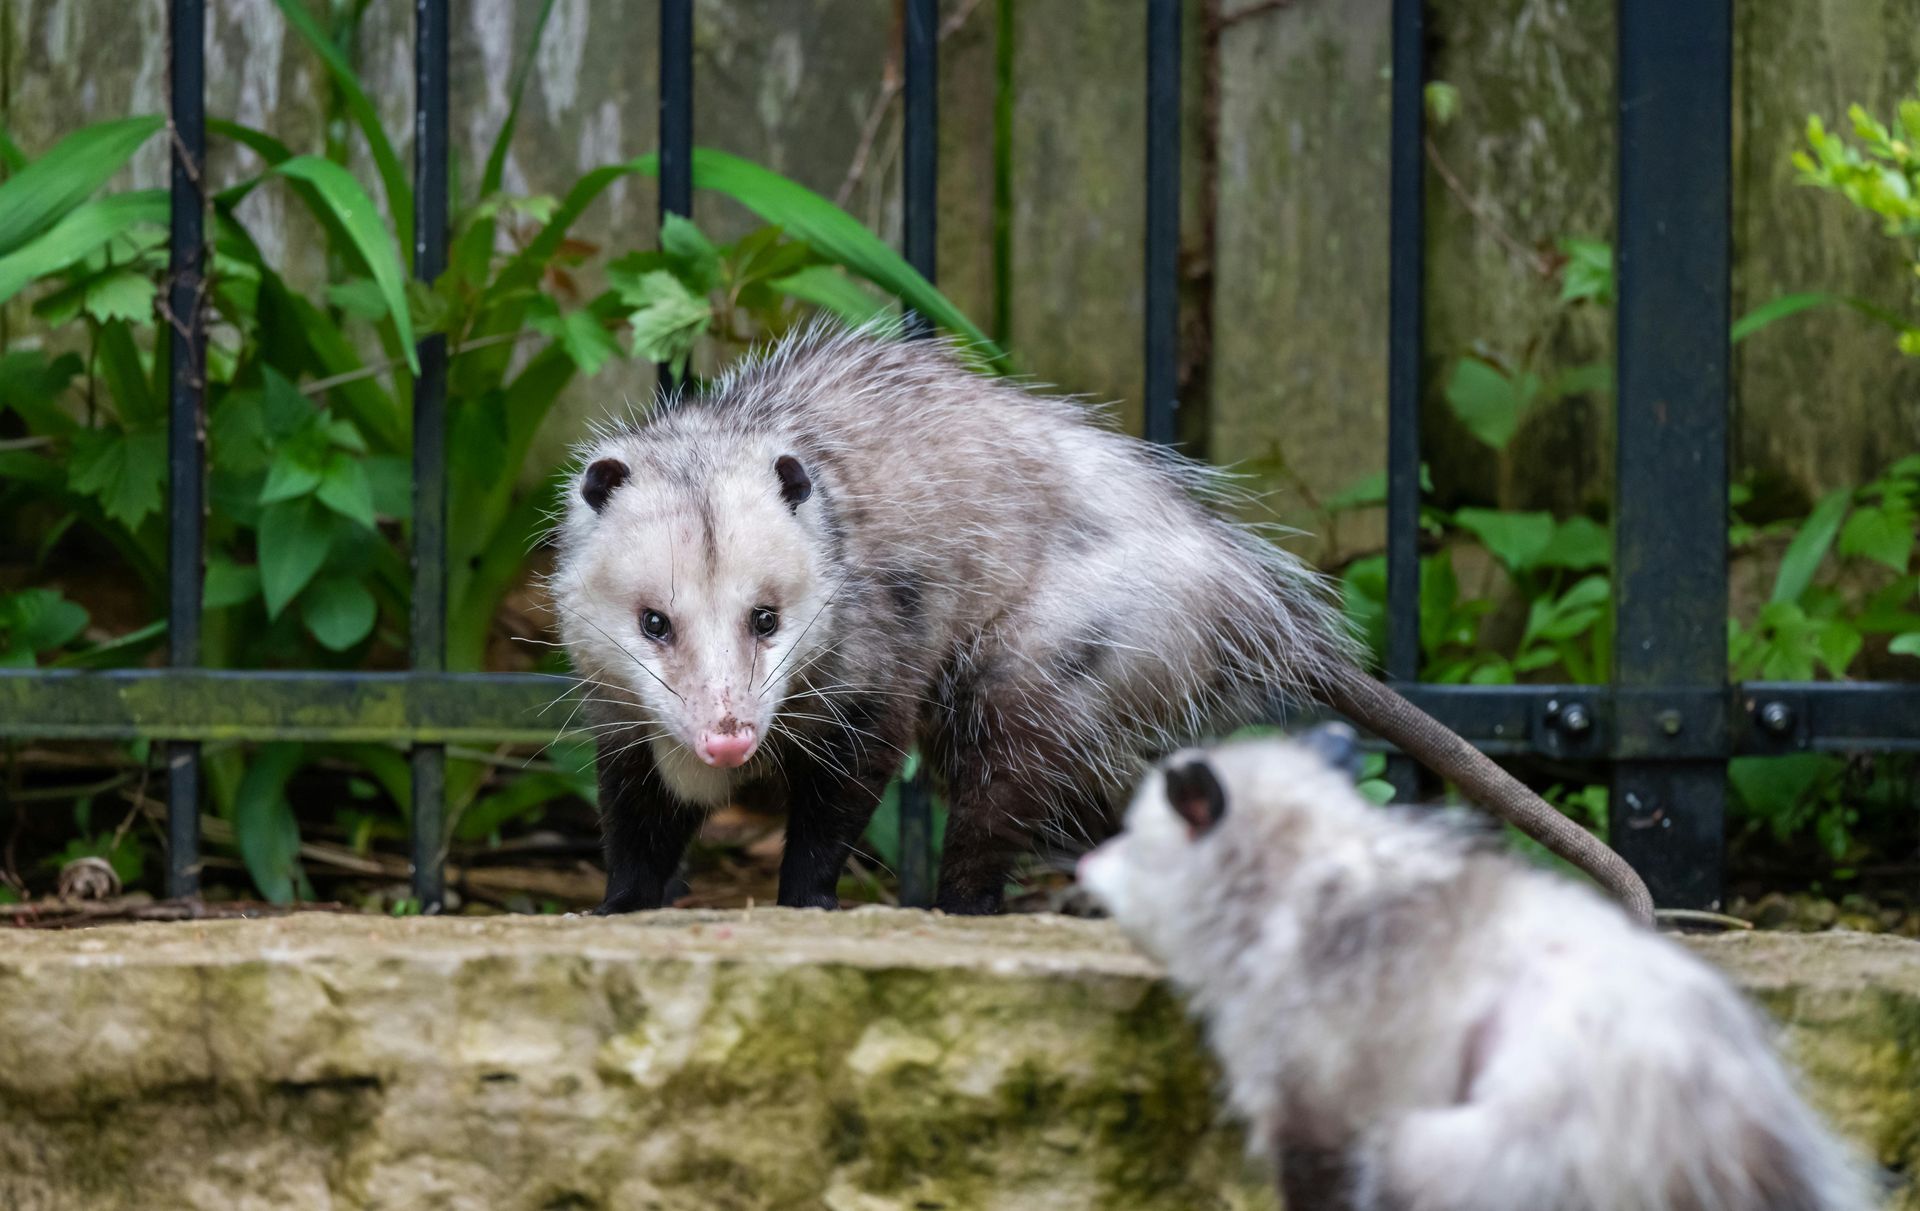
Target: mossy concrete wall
column 771, row 1059
column 1297, row 271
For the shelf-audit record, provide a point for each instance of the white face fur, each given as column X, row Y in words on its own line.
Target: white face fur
column 1164, row 871
column 685, row 597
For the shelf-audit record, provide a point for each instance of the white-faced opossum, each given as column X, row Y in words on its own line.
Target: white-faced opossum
column 851, row 544
column 1408, row 1020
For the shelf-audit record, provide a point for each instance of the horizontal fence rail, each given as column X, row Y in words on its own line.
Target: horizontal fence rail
column 1666, row 726
column 1576, row 722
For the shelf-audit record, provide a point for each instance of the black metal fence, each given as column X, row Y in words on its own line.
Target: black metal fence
column 1668, row 723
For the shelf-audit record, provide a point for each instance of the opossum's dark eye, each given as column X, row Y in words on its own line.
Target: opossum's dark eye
column 764, row 620
column 655, row 625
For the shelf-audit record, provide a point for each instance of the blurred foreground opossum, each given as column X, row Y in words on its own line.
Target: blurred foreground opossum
column 1409, row 1022
column 852, row 544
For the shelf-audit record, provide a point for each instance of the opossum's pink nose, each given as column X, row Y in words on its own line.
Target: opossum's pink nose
column 727, row 749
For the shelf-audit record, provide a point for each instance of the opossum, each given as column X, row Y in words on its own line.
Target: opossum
column 1409, row 1019
column 851, row 543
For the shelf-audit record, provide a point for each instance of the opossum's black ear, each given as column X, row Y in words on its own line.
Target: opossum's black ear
column 795, row 485
column 1196, row 794
column 1336, row 744
column 600, row 480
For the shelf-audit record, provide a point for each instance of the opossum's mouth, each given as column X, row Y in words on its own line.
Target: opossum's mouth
column 727, row 745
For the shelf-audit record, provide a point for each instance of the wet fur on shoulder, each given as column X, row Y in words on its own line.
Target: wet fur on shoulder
column 1409, row 1019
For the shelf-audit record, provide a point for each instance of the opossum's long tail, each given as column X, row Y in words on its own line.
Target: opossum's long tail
column 1390, row 716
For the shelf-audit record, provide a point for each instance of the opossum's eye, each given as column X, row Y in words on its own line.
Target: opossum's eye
column 1195, row 793
column 600, row 481
column 656, row 626
column 795, row 484
column 764, row 620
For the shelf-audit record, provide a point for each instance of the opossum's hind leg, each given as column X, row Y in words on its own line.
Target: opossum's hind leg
column 834, row 791
column 644, row 828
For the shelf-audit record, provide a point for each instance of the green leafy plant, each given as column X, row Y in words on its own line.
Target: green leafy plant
column 1806, row 626
column 34, row 621
column 309, row 400
column 1878, row 172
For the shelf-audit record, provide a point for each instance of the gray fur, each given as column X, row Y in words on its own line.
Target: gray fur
column 1411, row 1021
column 942, row 558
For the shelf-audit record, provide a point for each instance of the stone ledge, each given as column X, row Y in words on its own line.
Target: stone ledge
column 766, row 1059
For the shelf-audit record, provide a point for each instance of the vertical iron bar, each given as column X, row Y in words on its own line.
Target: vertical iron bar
column 919, row 180
column 676, row 180
column 429, row 618
column 1670, row 568
column 1163, row 218
column 1406, row 343
column 676, row 122
column 186, row 457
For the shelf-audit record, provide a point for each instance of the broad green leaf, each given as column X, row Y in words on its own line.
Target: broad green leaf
column 832, row 290
column 343, row 434
column 578, row 332
column 1810, row 546
column 31, row 384
column 1515, row 539
column 295, row 472
column 1485, row 400
column 41, row 194
column 355, row 211
column 690, row 252
column 1589, row 271
column 1884, row 535
column 390, row 484
column 1905, row 645
column 1443, row 103
column 259, row 142
column 124, row 471
column 1779, row 309
column 1577, row 544
column 338, row 611
column 39, row 620
column 295, row 536
column 668, row 318
column 123, row 295
column 126, row 377
column 1569, row 615
column 285, row 413
column 263, row 822
column 228, row 583
column 344, row 488
column 1838, row 643
column 393, row 175
column 79, row 233
column 360, row 298
column 1774, row 788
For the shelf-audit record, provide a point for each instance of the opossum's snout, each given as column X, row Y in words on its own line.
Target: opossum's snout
column 727, row 744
